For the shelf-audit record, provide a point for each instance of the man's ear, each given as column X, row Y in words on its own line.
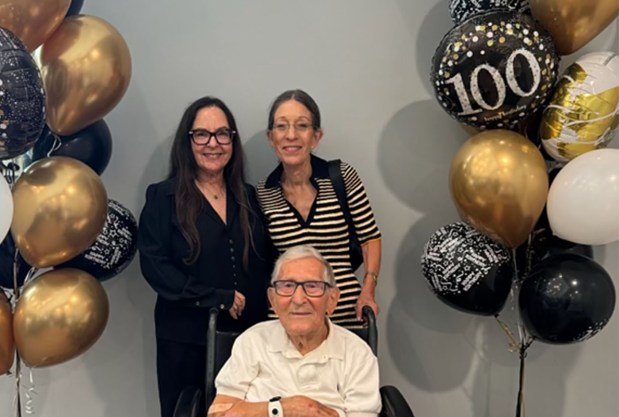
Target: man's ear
column 270, row 296
column 334, row 296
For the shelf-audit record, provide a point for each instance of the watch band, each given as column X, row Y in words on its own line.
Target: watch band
column 275, row 407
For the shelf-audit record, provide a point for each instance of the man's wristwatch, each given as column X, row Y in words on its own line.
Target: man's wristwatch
column 275, row 407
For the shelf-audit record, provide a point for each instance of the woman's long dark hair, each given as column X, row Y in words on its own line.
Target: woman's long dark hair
column 189, row 199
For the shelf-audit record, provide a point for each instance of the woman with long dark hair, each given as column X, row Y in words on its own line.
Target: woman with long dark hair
column 202, row 244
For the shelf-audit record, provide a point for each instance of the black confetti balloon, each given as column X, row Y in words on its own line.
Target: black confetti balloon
column 461, row 10
column 567, row 298
column 114, row 248
column 467, row 270
column 494, row 70
column 22, row 99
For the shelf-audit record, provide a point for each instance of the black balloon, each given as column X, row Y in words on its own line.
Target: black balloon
column 494, row 69
column 461, row 10
column 567, row 298
column 7, row 258
column 467, row 270
column 91, row 145
column 75, row 7
column 22, row 99
column 114, row 248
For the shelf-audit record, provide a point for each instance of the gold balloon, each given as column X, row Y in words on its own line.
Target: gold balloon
column 32, row 21
column 7, row 346
column 573, row 23
column 59, row 316
column 86, row 69
column 499, row 184
column 60, row 206
column 584, row 110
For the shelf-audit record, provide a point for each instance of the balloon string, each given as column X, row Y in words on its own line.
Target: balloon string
column 513, row 344
column 30, row 393
column 55, row 145
column 520, row 410
column 17, row 383
column 30, row 275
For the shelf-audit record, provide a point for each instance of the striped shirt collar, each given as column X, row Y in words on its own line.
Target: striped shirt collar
column 320, row 169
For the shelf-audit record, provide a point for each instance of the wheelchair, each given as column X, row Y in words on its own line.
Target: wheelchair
column 219, row 347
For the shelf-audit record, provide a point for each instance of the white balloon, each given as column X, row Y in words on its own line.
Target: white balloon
column 583, row 201
column 6, row 208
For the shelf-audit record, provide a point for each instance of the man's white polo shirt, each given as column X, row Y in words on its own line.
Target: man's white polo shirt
column 341, row 373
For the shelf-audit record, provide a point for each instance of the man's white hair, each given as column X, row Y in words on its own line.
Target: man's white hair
column 299, row 252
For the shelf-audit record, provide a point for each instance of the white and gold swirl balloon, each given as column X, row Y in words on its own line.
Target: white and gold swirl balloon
column 584, row 110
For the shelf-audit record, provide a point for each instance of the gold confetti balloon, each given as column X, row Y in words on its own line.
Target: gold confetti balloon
column 584, row 110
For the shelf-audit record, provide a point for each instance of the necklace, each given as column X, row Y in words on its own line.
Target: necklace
column 206, row 190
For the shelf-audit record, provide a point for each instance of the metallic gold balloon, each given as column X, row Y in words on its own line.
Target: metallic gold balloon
column 7, row 346
column 499, row 184
column 584, row 110
column 86, row 69
column 59, row 316
column 60, row 206
column 573, row 23
column 32, row 21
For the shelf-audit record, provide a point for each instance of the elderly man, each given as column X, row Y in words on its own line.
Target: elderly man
column 301, row 365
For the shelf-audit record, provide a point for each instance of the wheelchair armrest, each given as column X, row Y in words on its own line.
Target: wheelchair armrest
column 188, row 402
column 370, row 318
column 394, row 404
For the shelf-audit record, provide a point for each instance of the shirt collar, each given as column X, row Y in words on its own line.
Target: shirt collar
column 320, row 169
column 328, row 349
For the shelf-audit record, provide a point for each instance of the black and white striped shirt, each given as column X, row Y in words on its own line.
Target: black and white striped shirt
column 325, row 228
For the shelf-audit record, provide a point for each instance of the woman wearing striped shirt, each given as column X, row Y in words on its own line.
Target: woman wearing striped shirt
column 301, row 206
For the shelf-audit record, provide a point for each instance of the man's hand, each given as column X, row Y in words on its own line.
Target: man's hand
column 302, row 406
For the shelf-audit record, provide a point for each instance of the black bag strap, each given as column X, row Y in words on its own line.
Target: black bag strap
column 335, row 174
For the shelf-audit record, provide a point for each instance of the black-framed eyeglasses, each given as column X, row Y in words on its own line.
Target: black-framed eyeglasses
column 286, row 287
column 222, row 136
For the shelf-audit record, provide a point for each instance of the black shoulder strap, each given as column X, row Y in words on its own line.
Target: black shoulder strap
column 335, row 175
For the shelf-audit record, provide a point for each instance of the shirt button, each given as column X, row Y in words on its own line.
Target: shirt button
column 231, row 241
column 221, row 306
column 197, row 304
column 232, row 250
column 232, row 257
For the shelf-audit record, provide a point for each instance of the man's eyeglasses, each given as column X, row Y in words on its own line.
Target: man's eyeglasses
column 223, row 136
column 286, row 288
column 301, row 127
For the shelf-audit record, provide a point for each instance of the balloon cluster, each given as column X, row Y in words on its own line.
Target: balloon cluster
column 496, row 71
column 53, row 145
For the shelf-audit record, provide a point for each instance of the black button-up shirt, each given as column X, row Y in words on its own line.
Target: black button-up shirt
column 186, row 292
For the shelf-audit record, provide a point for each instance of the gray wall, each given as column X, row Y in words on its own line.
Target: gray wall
column 367, row 64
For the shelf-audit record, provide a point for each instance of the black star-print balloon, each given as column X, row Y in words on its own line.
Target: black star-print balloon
column 22, row 99
column 461, row 10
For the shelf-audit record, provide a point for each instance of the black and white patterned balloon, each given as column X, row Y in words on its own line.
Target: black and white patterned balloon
column 461, row 10
column 467, row 270
column 114, row 248
column 494, row 69
column 22, row 98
